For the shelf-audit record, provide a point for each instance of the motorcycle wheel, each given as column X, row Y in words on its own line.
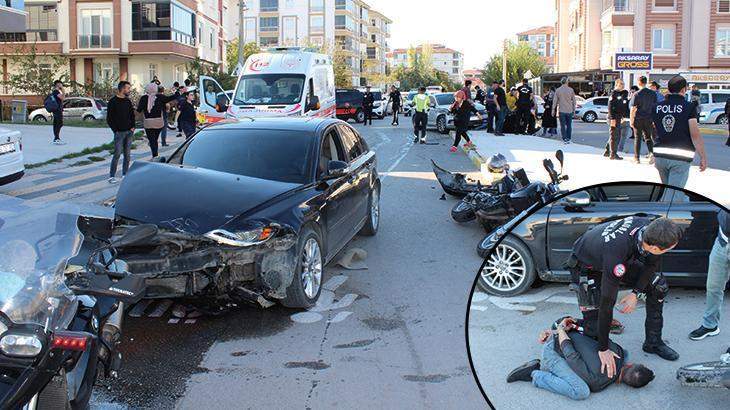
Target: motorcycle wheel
column 463, row 212
column 707, row 374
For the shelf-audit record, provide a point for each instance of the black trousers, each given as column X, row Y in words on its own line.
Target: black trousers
column 523, row 118
column 57, row 124
column 644, row 131
column 396, row 111
column 153, row 135
column 461, row 132
column 420, row 119
column 368, row 115
column 491, row 118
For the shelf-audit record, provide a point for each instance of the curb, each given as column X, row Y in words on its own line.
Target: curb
column 714, row 131
column 474, row 156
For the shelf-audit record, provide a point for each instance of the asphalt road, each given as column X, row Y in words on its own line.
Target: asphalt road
column 596, row 135
column 391, row 336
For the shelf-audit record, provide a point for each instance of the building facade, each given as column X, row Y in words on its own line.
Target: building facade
column 542, row 41
column 688, row 37
column 352, row 25
column 135, row 40
column 12, row 16
column 443, row 58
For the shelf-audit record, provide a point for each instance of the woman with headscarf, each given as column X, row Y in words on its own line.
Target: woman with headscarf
column 152, row 104
column 462, row 110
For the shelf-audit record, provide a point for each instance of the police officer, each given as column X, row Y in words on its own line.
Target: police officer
column 524, row 106
column 368, row 101
column 623, row 252
column 421, row 105
column 618, row 119
column 642, row 110
column 678, row 136
column 394, row 98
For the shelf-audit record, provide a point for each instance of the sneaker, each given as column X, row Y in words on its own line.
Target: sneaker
column 651, row 160
column 59, row 142
column 179, row 135
column 702, row 332
column 566, row 142
column 415, row 140
column 113, row 180
column 637, row 160
column 616, row 327
column 524, row 372
column 422, row 140
column 452, row 149
column 499, row 134
column 606, row 154
column 616, row 158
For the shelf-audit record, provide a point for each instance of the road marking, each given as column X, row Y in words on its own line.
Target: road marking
column 339, row 317
column 57, row 182
column 78, row 191
column 334, row 282
column 404, row 151
column 327, row 303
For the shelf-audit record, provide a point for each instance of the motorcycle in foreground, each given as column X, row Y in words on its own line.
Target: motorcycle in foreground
column 62, row 297
column 707, row 374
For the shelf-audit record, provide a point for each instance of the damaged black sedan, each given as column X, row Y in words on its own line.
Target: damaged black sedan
column 250, row 210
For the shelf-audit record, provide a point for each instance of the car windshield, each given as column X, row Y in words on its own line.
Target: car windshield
column 444, row 99
column 269, row 89
column 36, row 242
column 412, row 94
column 101, row 102
column 278, row 155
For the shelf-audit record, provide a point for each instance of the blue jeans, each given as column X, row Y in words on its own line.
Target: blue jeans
column 675, row 173
column 556, row 376
column 163, row 134
column 501, row 115
column 717, row 277
column 566, row 125
column 122, row 146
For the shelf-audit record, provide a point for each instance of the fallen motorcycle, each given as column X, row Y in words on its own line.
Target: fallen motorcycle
column 62, row 297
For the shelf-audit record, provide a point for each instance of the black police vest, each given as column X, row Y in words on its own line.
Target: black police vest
column 671, row 118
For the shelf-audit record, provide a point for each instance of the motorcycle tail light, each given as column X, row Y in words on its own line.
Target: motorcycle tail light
column 69, row 341
column 20, row 345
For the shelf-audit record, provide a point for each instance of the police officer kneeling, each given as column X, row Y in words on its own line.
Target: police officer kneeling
column 623, row 252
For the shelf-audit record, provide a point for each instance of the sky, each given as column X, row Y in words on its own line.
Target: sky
column 474, row 27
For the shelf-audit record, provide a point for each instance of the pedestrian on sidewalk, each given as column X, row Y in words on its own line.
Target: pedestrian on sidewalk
column 718, row 274
column 500, row 102
column 163, row 133
column 120, row 118
column 368, row 102
column 643, row 104
column 658, row 90
column 678, row 137
column 727, row 115
column 549, row 122
column 462, row 109
column 57, row 96
column 695, row 97
column 187, row 118
column 467, row 90
column 421, row 105
column 618, row 120
column 564, row 109
column 395, row 98
column 151, row 105
column 524, row 106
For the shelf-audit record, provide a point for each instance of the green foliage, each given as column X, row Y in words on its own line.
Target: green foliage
column 232, row 53
column 422, row 73
column 520, row 59
column 34, row 73
column 197, row 68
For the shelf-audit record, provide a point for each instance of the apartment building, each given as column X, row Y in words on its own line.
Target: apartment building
column 352, row 25
column 541, row 40
column 12, row 16
column 135, row 40
column 688, row 37
column 443, row 59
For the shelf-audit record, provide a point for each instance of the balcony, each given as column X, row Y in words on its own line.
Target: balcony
column 618, row 13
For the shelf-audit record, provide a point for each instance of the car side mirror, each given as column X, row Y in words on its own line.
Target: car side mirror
column 560, row 156
column 432, row 105
column 579, row 199
column 336, row 169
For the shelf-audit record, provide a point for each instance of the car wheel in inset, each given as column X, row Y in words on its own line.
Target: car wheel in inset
column 722, row 120
column 373, row 221
column 40, row 118
column 359, row 117
column 306, row 284
column 508, row 270
column 441, row 125
column 88, row 118
column 590, row 116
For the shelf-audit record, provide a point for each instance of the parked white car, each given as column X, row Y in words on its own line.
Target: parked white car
column 12, row 167
column 74, row 108
column 712, row 106
column 593, row 109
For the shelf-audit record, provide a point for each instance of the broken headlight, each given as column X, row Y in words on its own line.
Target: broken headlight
column 242, row 238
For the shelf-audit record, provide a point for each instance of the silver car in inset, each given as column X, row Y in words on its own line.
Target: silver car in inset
column 74, row 108
column 593, row 109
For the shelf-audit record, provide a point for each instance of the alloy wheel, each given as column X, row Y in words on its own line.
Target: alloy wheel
column 375, row 207
column 441, row 125
column 505, row 269
column 590, row 117
column 311, row 268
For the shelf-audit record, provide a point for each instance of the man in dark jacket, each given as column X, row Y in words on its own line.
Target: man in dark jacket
column 120, row 118
column 60, row 96
column 727, row 115
column 368, row 102
column 643, row 104
column 570, row 365
column 618, row 120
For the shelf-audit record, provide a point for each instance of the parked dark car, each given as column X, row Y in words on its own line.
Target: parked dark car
column 251, row 210
column 538, row 247
column 349, row 105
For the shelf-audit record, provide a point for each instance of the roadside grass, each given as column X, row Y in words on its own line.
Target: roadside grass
column 108, row 148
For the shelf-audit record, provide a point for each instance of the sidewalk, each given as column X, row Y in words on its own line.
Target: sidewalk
column 585, row 165
column 37, row 147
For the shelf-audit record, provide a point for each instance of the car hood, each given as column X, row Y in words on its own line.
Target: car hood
column 189, row 199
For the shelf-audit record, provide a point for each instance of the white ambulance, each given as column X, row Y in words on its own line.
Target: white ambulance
column 280, row 82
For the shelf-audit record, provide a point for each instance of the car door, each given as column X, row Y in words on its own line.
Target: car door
column 602, row 107
column 432, row 112
column 84, row 106
column 337, row 191
column 567, row 223
column 214, row 101
column 361, row 167
column 688, row 261
column 71, row 109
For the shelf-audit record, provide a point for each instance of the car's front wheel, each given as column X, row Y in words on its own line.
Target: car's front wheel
column 359, row 117
column 441, row 125
column 722, row 120
column 590, row 116
column 306, row 285
column 509, row 269
column 373, row 221
column 40, row 118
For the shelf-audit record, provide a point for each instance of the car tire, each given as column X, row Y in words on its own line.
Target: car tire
column 373, row 221
column 463, row 212
column 441, row 125
column 172, row 125
column 722, row 120
column 707, row 374
column 40, row 118
column 310, row 264
column 509, row 269
column 360, row 116
column 590, row 117
column 88, row 118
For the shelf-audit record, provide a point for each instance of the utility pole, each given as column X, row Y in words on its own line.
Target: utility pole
column 241, row 31
column 504, row 63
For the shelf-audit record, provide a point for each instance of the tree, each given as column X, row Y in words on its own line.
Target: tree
column 421, row 72
column 198, row 67
column 34, row 73
column 249, row 49
column 520, row 59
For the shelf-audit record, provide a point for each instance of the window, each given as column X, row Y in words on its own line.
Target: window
column 269, row 5
column 152, row 71
column 345, row 22
column 631, row 193
column 250, row 29
column 41, row 23
column 720, row 98
column 454, row 71
column 723, row 6
column 663, row 40
column 316, row 5
column 269, row 23
column 351, row 142
column 316, row 23
column 212, row 34
column 163, row 21
column 331, row 151
column 348, row 5
column 664, row 5
column 372, row 53
column 268, row 41
column 722, row 42
column 289, row 30
column 106, row 72
column 96, row 28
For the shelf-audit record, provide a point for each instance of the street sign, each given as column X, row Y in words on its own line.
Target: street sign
column 633, row 61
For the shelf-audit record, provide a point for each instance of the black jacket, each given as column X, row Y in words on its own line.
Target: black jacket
column 395, row 98
column 160, row 102
column 120, row 114
column 618, row 105
column 645, row 102
column 187, row 112
column 581, row 353
column 368, row 100
column 462, row 114
column 610, row 248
